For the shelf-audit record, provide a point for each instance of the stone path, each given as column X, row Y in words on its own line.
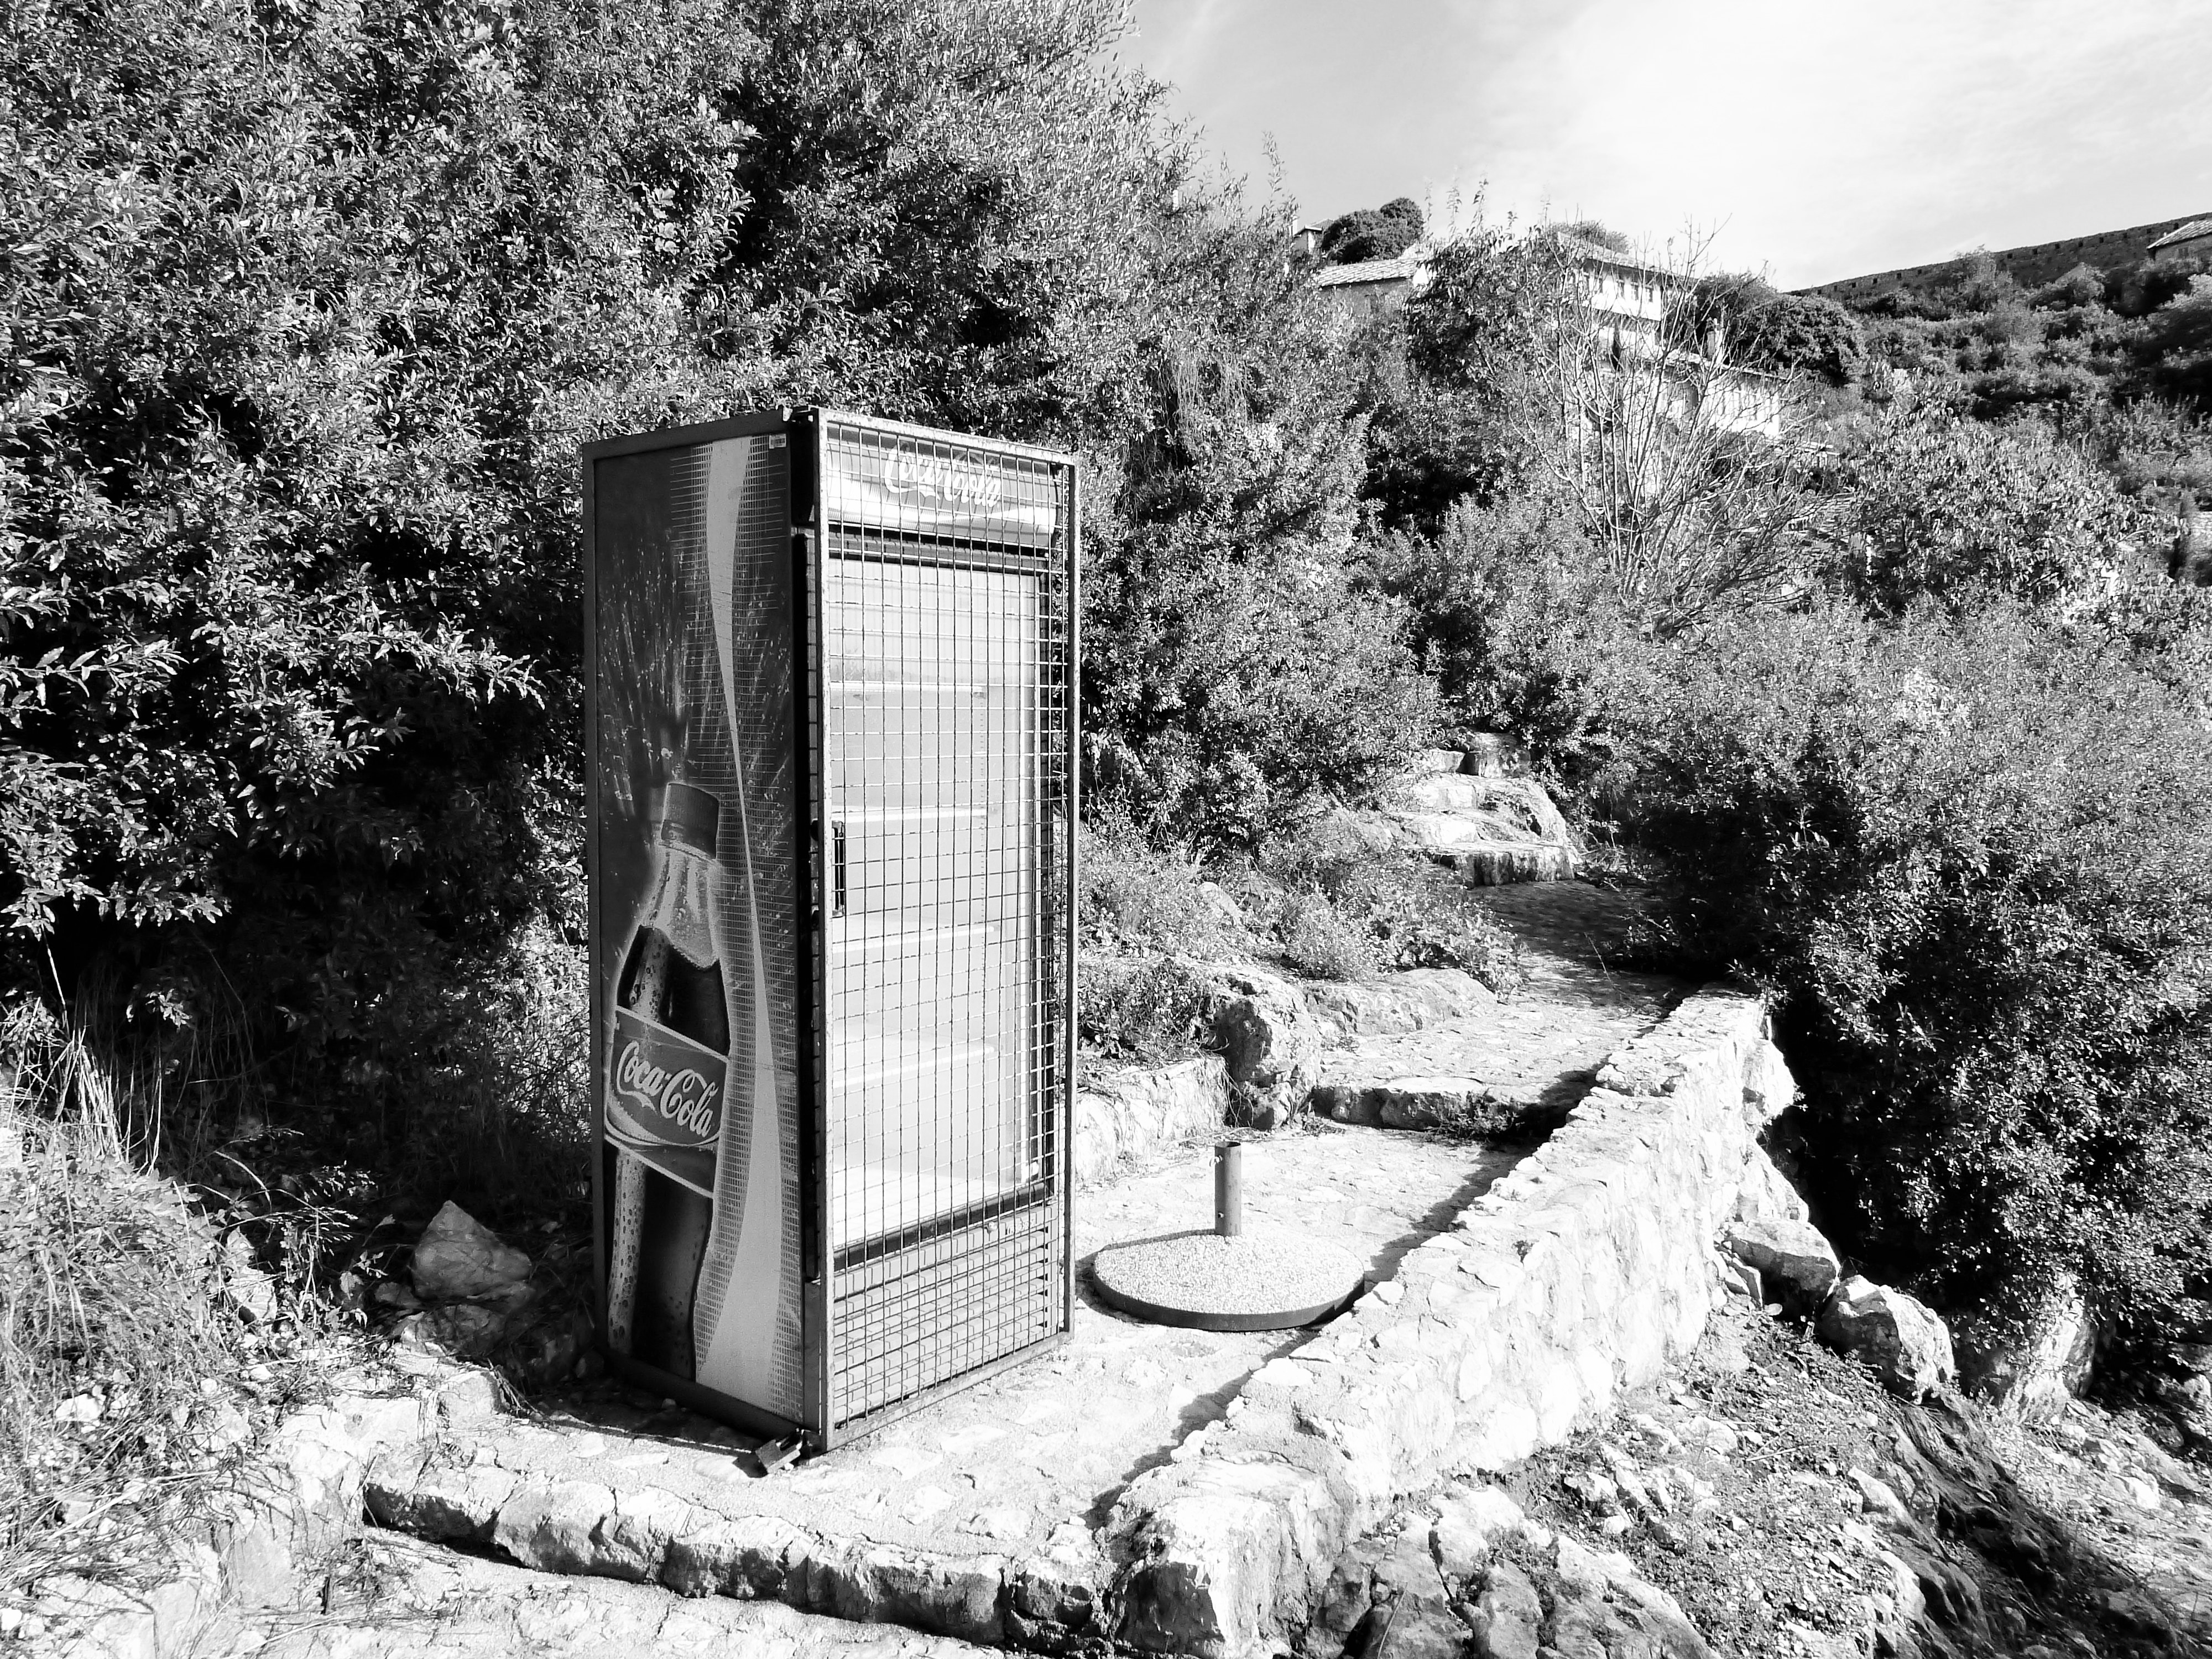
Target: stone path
column 1034, row 1456
column 1025, row 1465
column 1527, row 1058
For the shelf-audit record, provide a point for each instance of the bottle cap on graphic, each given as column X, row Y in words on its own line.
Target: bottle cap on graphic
column 688, row 817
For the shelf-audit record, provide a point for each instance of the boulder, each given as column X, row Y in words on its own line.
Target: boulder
column 1471, row 1520
column 459, row 1259
column 1796, row 1264
column 2188, row 1396
column 1269, row 1041
column 1126, row 1116
column 2028, row 1371
column 1422, row 1623
column 1766, row 1194
column 1508, row 1615
column 1768, row 1089
column 1901, row 1340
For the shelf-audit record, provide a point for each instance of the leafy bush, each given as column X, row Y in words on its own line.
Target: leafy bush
column 1513, row 621
column 2083, row 285
column 1972, row 856
column 1321, row 944
column 1237, row 664
column 2178, row 344
column 1939, row 505
column 1382, row 233
column 1135, row 898
column 1141, row 1008
column 1353, row 905
column 1765, row 329
column 309, row 312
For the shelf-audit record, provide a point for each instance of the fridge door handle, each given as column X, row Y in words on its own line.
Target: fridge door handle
column 837, row 867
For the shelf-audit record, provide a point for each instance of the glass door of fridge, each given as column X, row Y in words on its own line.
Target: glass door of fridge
column 931, row 680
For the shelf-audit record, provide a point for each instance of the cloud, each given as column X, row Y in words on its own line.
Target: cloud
column 1821, row 140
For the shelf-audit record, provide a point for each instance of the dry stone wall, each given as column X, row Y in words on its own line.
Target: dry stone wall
column 1577, row 1275
column 1127, row 1116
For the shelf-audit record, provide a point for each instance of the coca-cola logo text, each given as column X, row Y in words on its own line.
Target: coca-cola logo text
column 934, row 478
column 685, row 1099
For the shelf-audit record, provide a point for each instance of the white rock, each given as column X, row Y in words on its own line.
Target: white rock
column 1899, row 1338
column 1880, row 1498
column 1713, row 1433
column 904, row 1461
column 1796, row 1264
column 2031, row 1375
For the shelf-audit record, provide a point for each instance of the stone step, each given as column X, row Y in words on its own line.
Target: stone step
column 1463, row 1105
column 404, row 1598
column 1393, row 1005
column 689, row 1517
column 1492, row 830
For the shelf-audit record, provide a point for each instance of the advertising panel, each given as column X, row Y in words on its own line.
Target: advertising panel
column 697, row 929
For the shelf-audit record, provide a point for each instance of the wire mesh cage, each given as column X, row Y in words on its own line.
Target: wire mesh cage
column 851, row 645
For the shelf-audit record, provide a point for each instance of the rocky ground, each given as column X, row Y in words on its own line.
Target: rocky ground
column 1771, row 1497
column 1767, row 1496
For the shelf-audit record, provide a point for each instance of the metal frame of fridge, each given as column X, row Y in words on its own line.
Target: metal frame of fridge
column 837, row 1279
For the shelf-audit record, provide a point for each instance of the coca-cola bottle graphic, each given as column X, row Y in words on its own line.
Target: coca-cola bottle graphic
column 666, row 1058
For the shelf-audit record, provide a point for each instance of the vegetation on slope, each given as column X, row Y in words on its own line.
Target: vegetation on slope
column 311, row 308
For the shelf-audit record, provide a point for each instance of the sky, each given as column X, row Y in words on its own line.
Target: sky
column 1810, row 139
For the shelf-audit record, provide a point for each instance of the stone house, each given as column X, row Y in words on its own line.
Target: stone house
column 2192, row 241
column 1626, row 297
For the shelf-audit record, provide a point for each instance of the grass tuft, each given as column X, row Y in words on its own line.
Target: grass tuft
column 133, row 1381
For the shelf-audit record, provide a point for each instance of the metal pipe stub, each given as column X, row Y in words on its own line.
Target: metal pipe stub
column 1229, row 1189
column 1227, row 1279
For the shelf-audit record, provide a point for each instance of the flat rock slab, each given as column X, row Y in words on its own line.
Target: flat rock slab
column 1023, row 1467
column 1250, row 1282
column 402, row 1600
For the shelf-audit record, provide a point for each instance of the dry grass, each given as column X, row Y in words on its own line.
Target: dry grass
column 131, row 1382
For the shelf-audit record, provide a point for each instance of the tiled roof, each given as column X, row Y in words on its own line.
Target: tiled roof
column 1399, row 269
column 2188, row 233
column 1594, row 253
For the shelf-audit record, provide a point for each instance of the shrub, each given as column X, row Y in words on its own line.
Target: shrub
column 1972, row 857
column 1382, row 233
column 1351, row 905
column 1134, row 897
column 1321, row 944
column 2178, row 344
column 1237, row 662
column 1144, row 1008
column 1765, row 329
column 126, row 1392
column 1511, row 616
column 1939, row 505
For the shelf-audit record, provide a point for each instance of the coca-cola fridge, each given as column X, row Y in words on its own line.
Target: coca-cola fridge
column 831, row 721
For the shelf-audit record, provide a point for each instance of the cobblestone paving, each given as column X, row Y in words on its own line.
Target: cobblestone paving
column 1038, row 1452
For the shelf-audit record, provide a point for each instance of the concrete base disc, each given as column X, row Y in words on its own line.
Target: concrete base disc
column 1253, row 1282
